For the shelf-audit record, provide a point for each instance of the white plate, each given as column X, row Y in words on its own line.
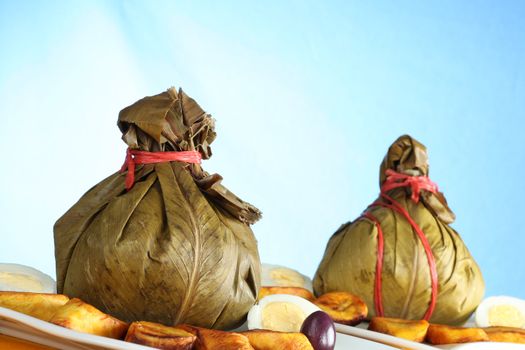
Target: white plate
column 25, row 327
column 406, row 344
column 32, row 329
column 484, row 346
column 347, row 342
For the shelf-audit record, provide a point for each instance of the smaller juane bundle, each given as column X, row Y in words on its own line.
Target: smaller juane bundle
column 401, row 256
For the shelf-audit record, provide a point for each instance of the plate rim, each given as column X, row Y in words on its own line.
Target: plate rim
column 381, row 337
column 20, row 320
column 403, row 343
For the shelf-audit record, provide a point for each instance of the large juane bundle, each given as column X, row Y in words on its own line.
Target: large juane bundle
column 401, row 255
column 162, row 240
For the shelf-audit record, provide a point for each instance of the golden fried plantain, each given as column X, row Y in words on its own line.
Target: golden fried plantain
column 39, row 305
column 298, row 291
column 440, row 334
column 506, row 334
column 82, row 317
column 159, row 336
column 211, row 339
column 262, row 339
column 414, row 330
column 343, row 307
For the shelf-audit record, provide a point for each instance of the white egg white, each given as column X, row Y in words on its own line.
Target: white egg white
column 485, row 313
column 281, row 276
column 21, row 278
column 255, row 315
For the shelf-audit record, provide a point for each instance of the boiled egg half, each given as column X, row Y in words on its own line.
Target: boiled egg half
column 21, row 278
column 501, row 311
column 280, row 312
column 281, row 276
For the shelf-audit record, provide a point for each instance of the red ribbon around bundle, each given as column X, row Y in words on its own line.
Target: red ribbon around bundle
column 134, row 157
column 416, row 184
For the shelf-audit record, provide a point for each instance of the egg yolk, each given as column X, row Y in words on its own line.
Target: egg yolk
column 506, row 316
column 282, row 316
column 287, row 277
column 20, row 281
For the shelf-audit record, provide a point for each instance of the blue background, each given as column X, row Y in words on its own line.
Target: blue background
column 307, row 96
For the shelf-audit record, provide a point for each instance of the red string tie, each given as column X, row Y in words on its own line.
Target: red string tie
column 416, row 184
column 134, row 157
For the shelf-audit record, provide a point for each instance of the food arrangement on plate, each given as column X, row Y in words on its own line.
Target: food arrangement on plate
column 278, row 321
column 162, row 254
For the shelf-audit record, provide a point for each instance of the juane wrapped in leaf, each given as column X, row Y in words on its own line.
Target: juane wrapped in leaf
column 401, row 256
column 176, row 247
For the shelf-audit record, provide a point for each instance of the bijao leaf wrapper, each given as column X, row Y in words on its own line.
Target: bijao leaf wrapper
column 177, row 247
column 349, row 262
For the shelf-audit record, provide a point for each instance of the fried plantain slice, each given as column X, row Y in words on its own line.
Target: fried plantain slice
column 40, row 305
column 159, row 336
column 82, row 317
column 506, row 334
column 262, row 339
column 298, row 291
column 440, row 334
column 211, row 339
column 414, row 330
column 343, row 307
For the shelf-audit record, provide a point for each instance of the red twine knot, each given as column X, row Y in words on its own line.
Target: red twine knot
column 416, row 183
column 134, row 157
